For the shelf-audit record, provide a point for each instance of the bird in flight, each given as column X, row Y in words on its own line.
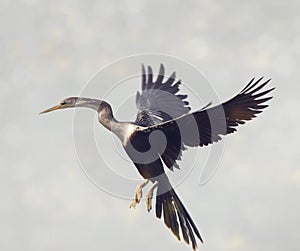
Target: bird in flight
column 163, row 129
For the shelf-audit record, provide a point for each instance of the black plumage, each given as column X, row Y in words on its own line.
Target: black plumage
column 164, row 127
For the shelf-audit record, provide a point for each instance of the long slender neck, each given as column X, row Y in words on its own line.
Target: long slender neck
column 106, row 118
column 105, row 114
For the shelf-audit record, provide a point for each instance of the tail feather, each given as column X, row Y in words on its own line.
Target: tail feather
column 158, row 207
column 176, row 217
column 183, row 229
column 186, row 213
column 170, row 215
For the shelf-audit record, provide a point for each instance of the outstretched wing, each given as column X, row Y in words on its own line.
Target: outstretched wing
column 159, row 102
column 206, row 126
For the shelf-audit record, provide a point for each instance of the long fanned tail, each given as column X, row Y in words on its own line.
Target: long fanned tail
column 176, row 216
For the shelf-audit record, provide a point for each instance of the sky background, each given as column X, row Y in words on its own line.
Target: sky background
column 50, row 49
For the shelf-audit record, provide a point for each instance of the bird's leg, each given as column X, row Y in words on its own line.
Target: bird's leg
column 138, row 194
column 149, row 196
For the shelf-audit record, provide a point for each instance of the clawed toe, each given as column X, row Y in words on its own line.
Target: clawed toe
column 138, row 194
column 149, row 197
column 149, row 201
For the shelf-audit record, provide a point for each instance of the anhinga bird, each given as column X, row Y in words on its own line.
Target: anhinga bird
column 163, row 128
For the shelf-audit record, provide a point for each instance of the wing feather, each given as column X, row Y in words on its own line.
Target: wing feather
column 207, row 125
column 159, row 102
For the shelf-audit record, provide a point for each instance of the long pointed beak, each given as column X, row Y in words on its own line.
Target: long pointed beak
column 52, row 109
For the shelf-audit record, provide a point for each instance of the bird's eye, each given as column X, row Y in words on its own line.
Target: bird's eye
column 62, row 102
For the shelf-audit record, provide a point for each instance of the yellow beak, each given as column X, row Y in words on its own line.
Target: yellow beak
column 53, row 108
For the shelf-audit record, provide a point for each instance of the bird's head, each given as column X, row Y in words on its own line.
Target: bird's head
column 66, row 103
column 71, row 102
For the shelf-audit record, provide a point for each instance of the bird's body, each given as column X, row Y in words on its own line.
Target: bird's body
column 164, row 127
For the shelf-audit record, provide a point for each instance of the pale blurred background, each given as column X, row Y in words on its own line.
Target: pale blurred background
column 49, row 49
